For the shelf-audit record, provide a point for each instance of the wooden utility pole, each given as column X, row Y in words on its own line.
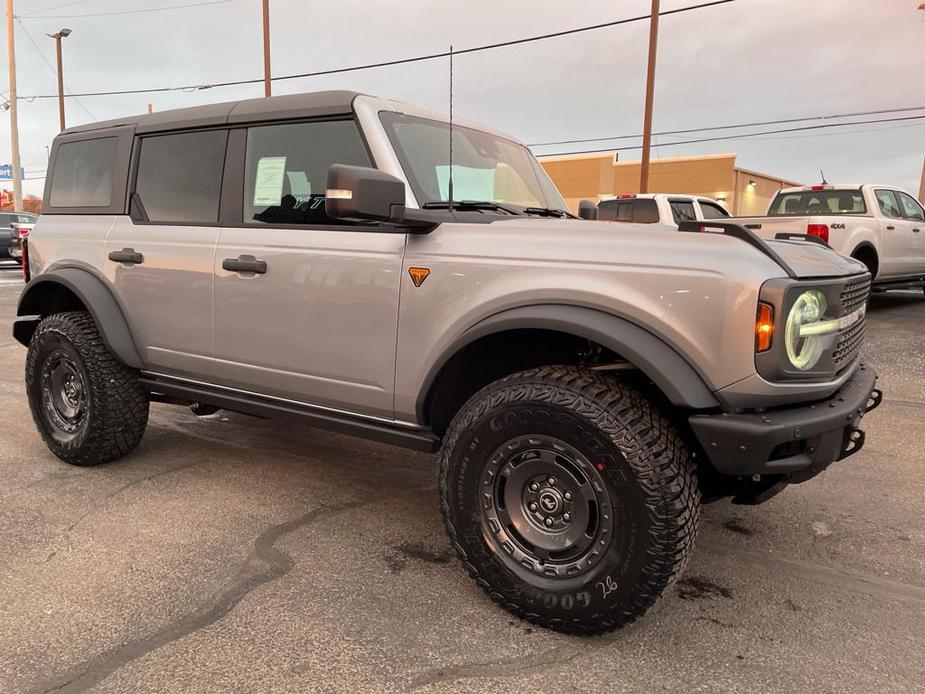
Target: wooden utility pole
column 60, row 82
column 922, row 184
column 57, row 37
column 266, row 48
column 14, row 111
column 650, row 96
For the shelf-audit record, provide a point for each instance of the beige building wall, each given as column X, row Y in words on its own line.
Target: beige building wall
column 590, row 176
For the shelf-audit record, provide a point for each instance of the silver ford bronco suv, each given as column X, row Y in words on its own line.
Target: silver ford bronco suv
column 588, row 385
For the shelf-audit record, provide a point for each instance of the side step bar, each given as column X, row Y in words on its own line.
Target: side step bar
column 419, row 439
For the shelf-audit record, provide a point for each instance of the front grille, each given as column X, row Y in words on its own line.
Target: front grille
column 853, row 297
column 849, row 344
column 854, row 294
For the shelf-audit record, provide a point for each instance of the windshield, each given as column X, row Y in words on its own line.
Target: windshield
column 485, row 167
column 818, row 202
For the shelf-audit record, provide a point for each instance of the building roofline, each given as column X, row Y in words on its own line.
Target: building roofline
column 577, row 157
column 699, row 157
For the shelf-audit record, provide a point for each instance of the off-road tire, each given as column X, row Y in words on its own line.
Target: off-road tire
column 116, row 406
column 647, row 471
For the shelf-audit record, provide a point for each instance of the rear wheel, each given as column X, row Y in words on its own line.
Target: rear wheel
column 87, row 405
column 569, row 498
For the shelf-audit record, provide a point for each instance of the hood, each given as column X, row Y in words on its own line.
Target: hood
column 810, row 260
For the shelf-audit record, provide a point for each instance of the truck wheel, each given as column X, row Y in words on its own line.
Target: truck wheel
column 570, row 499
column 87, row 405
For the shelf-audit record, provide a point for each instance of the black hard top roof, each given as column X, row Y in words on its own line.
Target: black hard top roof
column 308, row 105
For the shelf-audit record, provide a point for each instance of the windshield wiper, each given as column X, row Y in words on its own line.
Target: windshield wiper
column 478, row 205
column 549, row 212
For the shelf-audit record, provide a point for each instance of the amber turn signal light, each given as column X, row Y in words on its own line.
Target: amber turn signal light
column 764, row 327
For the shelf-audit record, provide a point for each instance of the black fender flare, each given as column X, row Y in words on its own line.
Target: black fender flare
column 660, row 362
column 99, row 301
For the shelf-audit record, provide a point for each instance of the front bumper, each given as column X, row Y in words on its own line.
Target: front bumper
column 788, row 440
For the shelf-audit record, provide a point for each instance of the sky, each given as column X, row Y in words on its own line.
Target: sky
column 744, row 61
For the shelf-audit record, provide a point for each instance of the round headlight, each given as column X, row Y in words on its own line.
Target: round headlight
column 804, row 351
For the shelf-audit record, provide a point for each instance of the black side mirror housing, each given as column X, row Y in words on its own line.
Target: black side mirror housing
column 362, row 193
column 587, row 209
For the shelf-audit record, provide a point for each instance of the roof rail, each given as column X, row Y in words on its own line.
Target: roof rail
column 740, row 232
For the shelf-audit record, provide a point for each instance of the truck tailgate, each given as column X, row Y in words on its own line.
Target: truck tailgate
column 770, row 227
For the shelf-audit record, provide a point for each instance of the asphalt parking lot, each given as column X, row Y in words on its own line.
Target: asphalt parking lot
column 233, row 554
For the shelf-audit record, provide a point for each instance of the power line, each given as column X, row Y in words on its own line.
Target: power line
column 399, row 61
column 741, row 136
column 115, row 12
column 57, row 7
column 732, row 126
column 53, row 71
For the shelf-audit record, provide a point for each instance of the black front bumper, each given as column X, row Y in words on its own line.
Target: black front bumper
column 790, row 440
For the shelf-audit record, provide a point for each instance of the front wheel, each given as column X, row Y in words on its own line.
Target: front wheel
column 88, row 406
column 570, row 499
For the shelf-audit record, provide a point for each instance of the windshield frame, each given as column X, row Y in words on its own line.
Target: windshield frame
column 551, row 197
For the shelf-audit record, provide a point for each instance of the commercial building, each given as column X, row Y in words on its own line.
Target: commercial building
column 590, row 176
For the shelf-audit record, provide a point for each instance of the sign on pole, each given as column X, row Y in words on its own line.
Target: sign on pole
column 6, row 172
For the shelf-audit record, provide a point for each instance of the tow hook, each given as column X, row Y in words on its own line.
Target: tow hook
column 873, row 402
column 852, row 442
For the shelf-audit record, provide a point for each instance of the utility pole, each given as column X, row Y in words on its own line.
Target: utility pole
column 14, row 122
column 64, row 33
column 922, row 184
column 266, row 48
column 650, row 96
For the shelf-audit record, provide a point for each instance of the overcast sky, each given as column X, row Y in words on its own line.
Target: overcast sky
column 749, row 60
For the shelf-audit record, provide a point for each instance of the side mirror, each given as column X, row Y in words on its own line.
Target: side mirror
column 359, row 192
column 587, row 209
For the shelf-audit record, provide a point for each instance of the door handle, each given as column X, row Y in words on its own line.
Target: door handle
column 245, row 263
column 916, row 230
column 890, row 227
column 127, row 255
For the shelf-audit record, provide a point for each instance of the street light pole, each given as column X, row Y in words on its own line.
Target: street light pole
column 64, row 33
column 266, row 48
column 650, row 97
column 14, row 111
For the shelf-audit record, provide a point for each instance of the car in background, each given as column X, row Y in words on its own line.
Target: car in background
column 12, row 226
column 659, row 208
column 882, row 226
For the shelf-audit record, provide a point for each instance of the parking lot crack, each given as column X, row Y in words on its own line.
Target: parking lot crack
column 264, row 564
column 508, row 667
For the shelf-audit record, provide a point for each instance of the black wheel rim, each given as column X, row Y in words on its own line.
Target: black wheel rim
column 64, row 395
column 545, row 508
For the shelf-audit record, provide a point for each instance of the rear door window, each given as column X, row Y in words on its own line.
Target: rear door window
column 911, row 209
column 286, row 169
column 682, row 211
column 180, row 176
column 645, row 211
column 712, row 211
column 888, row 204
column 83, row 173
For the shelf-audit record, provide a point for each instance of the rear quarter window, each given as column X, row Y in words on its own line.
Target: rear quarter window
column 83, row 173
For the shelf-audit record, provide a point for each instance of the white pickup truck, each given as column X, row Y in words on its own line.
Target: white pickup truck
column 659, row 208
column 881, row 226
